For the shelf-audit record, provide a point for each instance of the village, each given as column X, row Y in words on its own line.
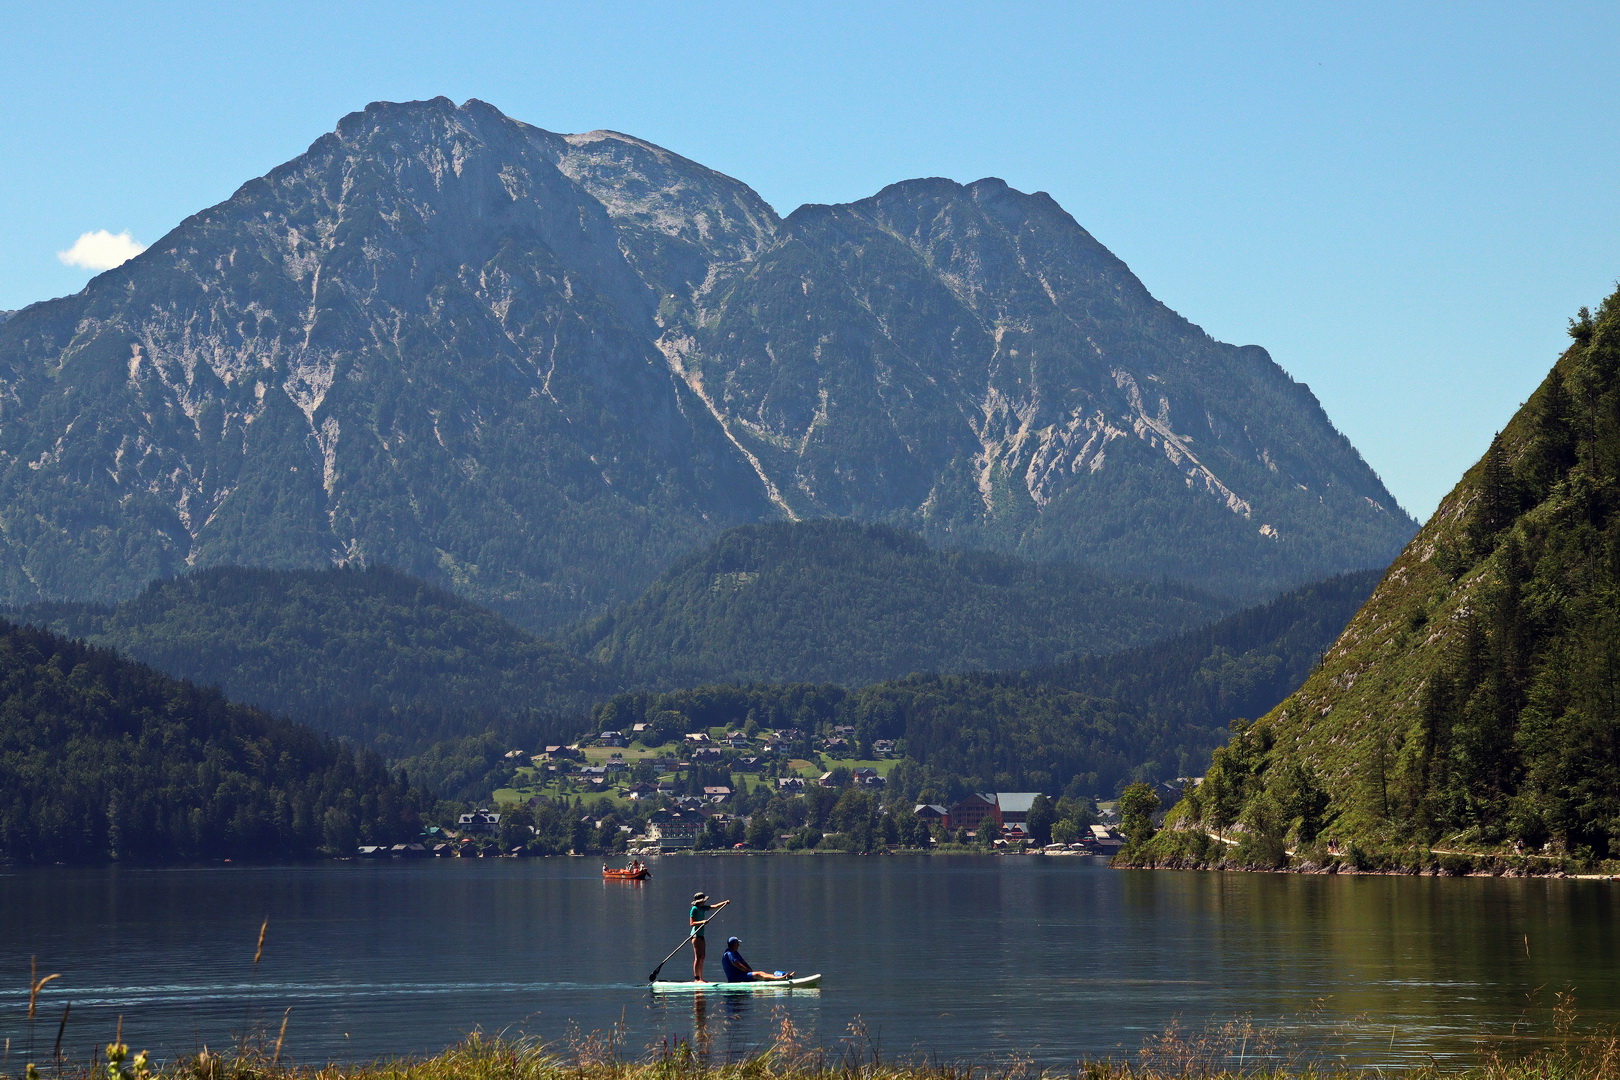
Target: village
column 744, row 789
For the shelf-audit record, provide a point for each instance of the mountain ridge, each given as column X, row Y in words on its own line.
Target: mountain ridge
column 837, row 601
column 372, row 654
column 539, row 367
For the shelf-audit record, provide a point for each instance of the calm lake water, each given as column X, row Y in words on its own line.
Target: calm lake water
column 953, row 957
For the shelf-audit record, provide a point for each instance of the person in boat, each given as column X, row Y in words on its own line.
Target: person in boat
column 702, row 911
column 739, row 970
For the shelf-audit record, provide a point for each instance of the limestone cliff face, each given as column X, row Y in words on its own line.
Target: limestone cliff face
column 418, row 344
column 968, row 359
column 539, row 366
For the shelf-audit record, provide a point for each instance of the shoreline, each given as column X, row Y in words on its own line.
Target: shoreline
column 1320, row 871
column 685, row 853
column 1189, row 849
column 1176, row 1054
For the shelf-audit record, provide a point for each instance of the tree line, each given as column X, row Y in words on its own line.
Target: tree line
column 103, row 758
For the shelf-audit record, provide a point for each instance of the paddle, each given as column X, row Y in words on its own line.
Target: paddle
column 654, row 976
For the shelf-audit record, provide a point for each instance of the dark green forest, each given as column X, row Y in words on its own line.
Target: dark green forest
column 445, row 688
column 837, row 601
column 1080, row 728
column 372, row 654
column 1237, row 667
column 104, row 758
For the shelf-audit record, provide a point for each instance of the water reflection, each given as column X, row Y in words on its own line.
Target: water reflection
column 949, row 957
column 719, row 1027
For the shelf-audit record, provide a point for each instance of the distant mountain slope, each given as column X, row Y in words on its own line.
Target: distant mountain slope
column 372, row 654
column 540, row 367
column 1239, row 667
column 1083, row 728
column 1470, row 704
column 418, row 344
column 969, row 361
column 101, row 757
column 835, row 601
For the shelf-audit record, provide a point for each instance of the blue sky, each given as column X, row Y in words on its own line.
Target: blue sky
column 1404, row 203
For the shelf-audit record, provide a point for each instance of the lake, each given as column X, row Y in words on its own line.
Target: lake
column 959, row 957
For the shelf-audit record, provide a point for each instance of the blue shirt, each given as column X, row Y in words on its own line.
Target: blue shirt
column 735, row 966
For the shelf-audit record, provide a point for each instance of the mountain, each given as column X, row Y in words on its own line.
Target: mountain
column 538, row 368
column 1081, row 728
column 970, row 362
column 836, row 601
column 418, row 345
column 1238, row 667
column 101, row 757
column 372, row 654
column 1467, row 712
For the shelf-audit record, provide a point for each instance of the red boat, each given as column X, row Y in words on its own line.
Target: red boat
column 627, row 873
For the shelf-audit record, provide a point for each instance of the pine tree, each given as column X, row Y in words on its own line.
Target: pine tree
column 1553, row 445
column 1497, row 502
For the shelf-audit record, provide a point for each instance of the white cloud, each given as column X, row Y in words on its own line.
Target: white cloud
column 101, row 250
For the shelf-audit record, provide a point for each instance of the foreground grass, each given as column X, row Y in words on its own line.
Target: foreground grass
column 1214, row 1054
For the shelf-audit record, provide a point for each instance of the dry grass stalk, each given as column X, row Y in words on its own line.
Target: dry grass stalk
column 61, row 1029
column 281, row 1038
column 35, row 985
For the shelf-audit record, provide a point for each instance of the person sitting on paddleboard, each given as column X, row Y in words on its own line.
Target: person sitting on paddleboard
column 739, row 970
column 702, row 911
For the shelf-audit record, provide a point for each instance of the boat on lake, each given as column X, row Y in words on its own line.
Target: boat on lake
column 626, row 873
column 750, row 986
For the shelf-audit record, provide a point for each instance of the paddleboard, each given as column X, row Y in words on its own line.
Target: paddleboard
column 800, row 982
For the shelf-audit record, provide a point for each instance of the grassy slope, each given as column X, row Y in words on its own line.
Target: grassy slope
column 1357, row 711
column 1398, row 767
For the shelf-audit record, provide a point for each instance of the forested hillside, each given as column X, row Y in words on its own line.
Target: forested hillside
column 372, row 654
column 103, row 758
column 447, row 688
column 1082, row 728
column 1470, row 708
column 1238, row 667
column 836, row 601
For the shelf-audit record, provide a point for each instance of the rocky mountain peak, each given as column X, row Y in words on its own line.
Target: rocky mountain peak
column 538, row 366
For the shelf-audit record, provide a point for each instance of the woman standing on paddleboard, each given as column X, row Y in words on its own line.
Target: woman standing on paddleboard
column 702, row 911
